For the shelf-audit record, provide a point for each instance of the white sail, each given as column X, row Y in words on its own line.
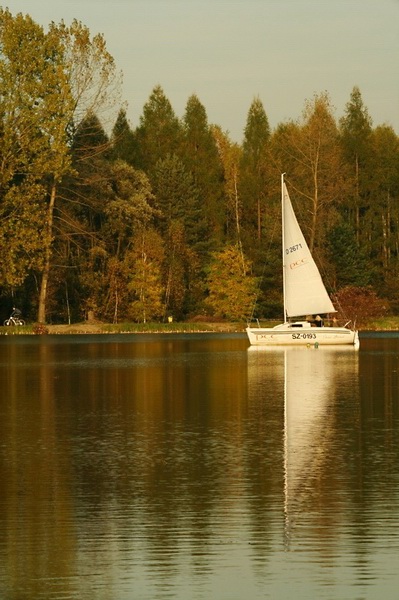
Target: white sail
column 304, row 290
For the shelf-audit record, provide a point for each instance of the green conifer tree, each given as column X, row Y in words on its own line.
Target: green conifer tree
column 254, row 169
column 123, row 140
column 159, row 132
column 201, row 158
column 356, row 129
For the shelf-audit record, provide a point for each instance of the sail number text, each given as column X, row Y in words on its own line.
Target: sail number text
column 293, row 248
column 303, row 336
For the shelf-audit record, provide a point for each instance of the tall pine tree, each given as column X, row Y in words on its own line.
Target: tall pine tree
column 159, row 132
column 254, row 165
column 201, row 158
column 356, row 129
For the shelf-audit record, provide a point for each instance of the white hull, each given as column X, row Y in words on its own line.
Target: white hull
column 291, row 335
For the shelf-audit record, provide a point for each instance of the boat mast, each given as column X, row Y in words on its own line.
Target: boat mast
column 283, row 241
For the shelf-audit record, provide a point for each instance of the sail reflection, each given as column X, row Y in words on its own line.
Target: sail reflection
column 309, row 378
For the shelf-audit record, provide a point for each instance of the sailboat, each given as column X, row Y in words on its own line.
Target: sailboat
column 304, row 294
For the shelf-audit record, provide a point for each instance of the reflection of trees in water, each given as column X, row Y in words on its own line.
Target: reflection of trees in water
column 173, row 453
column 37, row 512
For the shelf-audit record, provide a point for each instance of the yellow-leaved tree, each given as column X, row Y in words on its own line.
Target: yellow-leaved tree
column 232, row 290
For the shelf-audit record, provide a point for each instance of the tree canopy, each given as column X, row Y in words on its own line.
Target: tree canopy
column 173, row 217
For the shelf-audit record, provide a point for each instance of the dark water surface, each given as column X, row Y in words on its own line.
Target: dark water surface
column 191, row 467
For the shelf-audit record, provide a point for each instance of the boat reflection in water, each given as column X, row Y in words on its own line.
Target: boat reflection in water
column 311, row 380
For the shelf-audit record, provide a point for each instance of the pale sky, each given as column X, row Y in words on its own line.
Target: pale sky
column 228, row 52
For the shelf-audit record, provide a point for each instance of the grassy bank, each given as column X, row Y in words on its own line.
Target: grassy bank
column 381, row 324
column 106, row 328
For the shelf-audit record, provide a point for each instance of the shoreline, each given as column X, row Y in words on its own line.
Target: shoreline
column 98, row 328
column 107, row 329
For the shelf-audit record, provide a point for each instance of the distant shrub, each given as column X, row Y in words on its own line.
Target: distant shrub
column 360, row 304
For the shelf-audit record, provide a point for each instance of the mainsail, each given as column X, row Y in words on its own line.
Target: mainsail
column 304, row 291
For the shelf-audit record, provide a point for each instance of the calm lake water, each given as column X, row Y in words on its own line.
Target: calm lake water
column 191, row 467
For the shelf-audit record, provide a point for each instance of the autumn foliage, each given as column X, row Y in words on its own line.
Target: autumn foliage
column 361, row 303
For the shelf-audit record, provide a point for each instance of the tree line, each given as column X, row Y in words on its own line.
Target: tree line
column 173, row 218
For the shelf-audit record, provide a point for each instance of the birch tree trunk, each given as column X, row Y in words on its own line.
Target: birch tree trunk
column 41, row 313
